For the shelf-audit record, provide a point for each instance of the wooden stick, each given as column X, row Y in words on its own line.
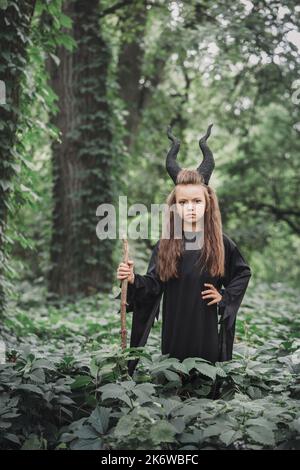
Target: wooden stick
column 123, row 298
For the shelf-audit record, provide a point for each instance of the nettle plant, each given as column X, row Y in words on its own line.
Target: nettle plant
column 73, row 391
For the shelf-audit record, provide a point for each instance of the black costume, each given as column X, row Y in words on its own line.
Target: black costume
column 189, row 325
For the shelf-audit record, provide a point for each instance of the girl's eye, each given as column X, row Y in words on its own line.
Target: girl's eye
column 198, row 201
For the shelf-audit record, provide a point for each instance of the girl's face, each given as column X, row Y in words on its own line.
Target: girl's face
column 190, row 204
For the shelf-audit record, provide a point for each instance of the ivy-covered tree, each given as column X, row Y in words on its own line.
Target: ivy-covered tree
column 15, row 20
column 82, row 159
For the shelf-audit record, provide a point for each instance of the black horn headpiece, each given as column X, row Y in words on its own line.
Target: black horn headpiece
column 205, row 168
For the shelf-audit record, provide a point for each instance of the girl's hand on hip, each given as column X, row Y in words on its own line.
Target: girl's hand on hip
column 125, row 271
column 211, row 293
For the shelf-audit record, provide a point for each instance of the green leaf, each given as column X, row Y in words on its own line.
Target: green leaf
column 125, row 426
column 262, row 435
column 162, row 431
column 87, row 444
column 31, row 388
column 6, row 184
column 260, row 421
column 207, row 369
column 12, row 438
column 67, row 41
column 86, row 432
column 80, row 381
column 228, row 437
column 171, row 376
column 99, row 419
column 37, row 375
column 33, row 443
column 3, row 4
column 215, row 430
column 43, row 363
column 55, row 58
column 65, row 20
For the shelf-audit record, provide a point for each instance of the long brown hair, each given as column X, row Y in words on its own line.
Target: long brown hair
column 212, row 255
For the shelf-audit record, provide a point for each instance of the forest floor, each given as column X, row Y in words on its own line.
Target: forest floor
column 64, row 383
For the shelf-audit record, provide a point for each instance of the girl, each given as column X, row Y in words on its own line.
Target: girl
column 189, row 271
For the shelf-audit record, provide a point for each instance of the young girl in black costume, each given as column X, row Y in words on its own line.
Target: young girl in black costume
column 200, row 274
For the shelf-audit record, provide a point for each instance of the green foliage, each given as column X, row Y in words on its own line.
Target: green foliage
column 207, row 64
column 65, row 383
column 26, row 42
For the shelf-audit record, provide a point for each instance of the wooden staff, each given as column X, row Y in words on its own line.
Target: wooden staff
column 124, row 297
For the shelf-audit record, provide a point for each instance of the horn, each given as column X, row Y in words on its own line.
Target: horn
column 208, row 163
column 171, row 164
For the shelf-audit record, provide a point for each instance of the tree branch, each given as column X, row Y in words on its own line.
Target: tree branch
column 115, row 7
column 280, row 214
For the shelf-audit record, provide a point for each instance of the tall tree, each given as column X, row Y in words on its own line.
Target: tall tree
column 133, row 20
column 15, row 21
column 82, row 161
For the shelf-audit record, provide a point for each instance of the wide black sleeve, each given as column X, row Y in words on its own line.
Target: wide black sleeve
column 143, row 299
column 235, row 282
column 146, row 287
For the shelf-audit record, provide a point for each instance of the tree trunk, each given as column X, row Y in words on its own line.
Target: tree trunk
column 82, row 161
column 130, row 65
column 15, row 23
